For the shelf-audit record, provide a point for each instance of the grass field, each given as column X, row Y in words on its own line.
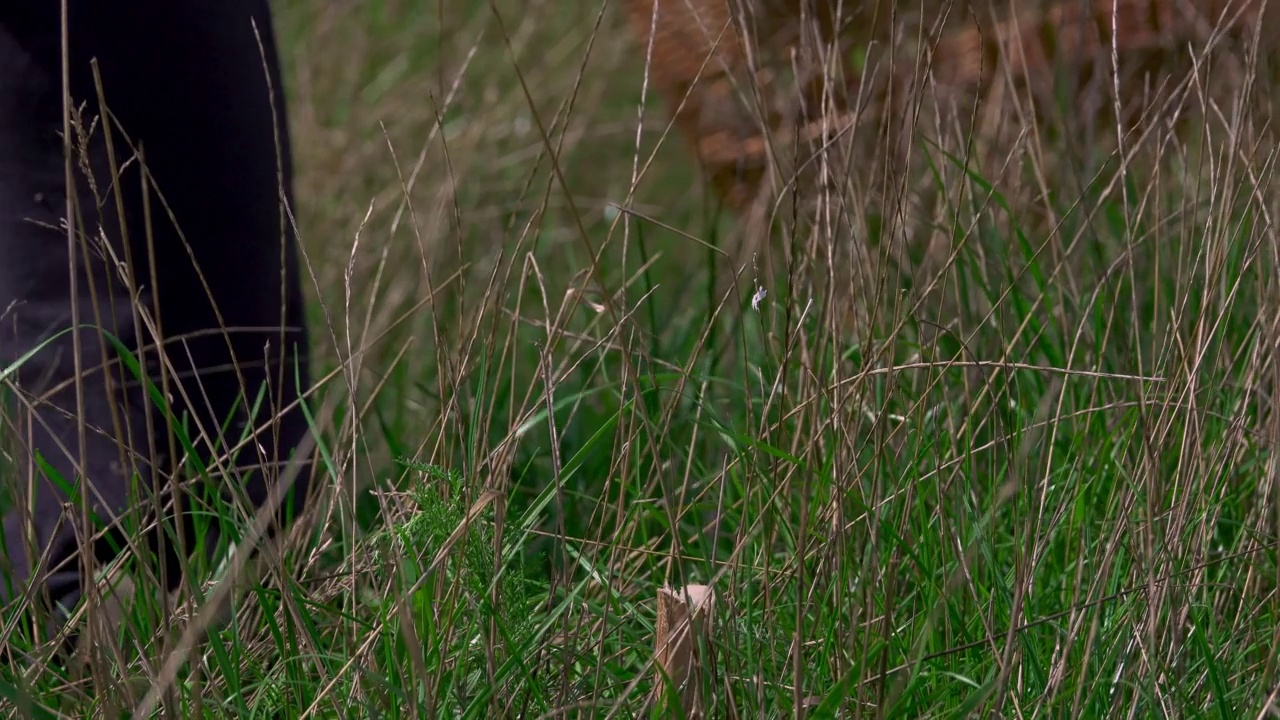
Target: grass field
column 1031, row 477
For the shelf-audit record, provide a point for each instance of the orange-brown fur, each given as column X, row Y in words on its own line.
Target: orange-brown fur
column 717, row 62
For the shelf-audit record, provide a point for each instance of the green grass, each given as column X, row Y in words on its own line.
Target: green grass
column 1036, row 482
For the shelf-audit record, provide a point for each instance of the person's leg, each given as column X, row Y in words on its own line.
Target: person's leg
column 36, row 308
column 215, row 266
column 204, row 98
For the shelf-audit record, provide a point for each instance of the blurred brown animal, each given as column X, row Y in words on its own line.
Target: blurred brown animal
column 746, row 78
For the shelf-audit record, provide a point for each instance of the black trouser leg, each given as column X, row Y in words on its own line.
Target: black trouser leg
column 191, row 234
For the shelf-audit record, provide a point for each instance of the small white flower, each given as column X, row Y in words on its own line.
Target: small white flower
column 758, row 298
